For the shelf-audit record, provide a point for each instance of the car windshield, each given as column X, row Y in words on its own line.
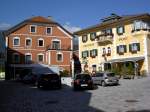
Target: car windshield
column 83, row 76
column 50, row 76
column 110, row 74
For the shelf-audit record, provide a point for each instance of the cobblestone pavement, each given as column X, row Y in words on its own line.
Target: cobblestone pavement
column 129, row 96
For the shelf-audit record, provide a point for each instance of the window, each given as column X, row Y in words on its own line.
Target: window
column 103, row 51
column 84, row 38
column 134, row 47
column 120, row 30
column 40, row 57
column 94, row 68
column 16, row 41
column 28, row 42
column 59, row 57
column 55, row 44
column 93, row 53
column 107, row 31
column 28, row 58
column 40, row 42
column 16, row 58
column 108, row 51
column 85, row 54
column 92, row 36
column 49, row 30
column 121, row 49
column 33, row 29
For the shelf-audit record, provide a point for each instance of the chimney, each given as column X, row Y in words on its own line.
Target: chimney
column 50, row 18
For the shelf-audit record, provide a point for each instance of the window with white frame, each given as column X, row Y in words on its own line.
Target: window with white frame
column 28, row 58
column 33, row 28
column 40, row 57
column 40, row 42
column 56, row 44
column 16, row 58
column 59, row 57
column 28, row 41
column 16, row 41
column 48, row 30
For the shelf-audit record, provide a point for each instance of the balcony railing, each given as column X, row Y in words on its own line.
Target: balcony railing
column 62, row 48
column 105, row 38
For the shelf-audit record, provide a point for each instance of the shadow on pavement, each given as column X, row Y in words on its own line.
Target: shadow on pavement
column 27, row 98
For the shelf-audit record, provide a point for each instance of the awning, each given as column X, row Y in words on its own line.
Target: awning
column 133, row 59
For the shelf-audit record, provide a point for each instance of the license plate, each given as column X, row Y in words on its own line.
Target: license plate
column 83, row 85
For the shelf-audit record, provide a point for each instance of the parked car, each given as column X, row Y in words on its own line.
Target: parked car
column 81, row 81
column 105, row 78
column 49, row 80
column 30, row 78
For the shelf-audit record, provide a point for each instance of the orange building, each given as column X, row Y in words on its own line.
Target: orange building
column 38, row 41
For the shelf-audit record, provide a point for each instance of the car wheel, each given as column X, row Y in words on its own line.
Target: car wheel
column 38, row 86
column 103, row 83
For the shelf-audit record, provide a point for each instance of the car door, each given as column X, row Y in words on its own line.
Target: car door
column 94, row 79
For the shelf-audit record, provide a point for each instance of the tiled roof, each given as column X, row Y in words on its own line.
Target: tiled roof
column 36, row 19
column 111, row 22
column 40, row 19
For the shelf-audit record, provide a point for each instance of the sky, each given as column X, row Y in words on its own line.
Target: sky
column 72, row 14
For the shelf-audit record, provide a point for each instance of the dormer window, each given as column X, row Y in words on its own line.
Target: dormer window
column 33, row 29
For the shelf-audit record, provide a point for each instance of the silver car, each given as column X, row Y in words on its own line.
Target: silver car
column 105, row 78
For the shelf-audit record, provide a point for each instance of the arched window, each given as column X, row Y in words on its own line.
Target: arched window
column 56, row 44
column 28, row 58
column 59, row 57
column 16, row 58
column 41, row 42
column 28, row 41
column 40, row 57
column 16, row 41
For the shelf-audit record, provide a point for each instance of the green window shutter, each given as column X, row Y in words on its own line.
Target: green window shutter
column 117, row 49
column 138, row 46
column 130, row 47
column 82, row 55
column 125, row 48
column 117, row 30
column 123, row 29
column 87, row 53
column 90, row 53
column 95, row 52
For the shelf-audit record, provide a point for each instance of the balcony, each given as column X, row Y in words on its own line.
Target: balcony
column 62, row 48
column 105, row 38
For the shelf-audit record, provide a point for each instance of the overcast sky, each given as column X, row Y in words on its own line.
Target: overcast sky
column 72, row 14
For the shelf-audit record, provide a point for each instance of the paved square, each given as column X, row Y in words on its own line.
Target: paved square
column 129, row 96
